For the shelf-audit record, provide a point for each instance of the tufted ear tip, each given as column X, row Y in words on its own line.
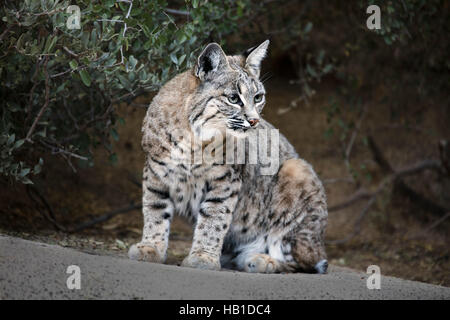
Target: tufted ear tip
column 210, row 60
column 266, row 43
column 254, row 57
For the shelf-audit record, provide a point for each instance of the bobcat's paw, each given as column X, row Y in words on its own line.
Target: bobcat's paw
column 261, row 263
column 145, row 252
column 201, row 260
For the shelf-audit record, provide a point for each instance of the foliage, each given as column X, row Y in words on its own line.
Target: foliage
column 60, row 86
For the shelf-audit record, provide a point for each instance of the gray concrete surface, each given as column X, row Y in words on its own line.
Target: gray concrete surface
column 31, row 270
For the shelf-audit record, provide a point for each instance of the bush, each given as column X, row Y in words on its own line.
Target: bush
column 60, row 86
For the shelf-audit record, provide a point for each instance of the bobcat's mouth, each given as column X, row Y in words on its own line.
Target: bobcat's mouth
column 238, row 124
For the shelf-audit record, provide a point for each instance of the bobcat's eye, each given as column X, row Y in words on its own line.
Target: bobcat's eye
column 258, row 98
column 234, row 98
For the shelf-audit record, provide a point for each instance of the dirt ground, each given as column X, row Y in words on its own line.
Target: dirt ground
column 393, row 234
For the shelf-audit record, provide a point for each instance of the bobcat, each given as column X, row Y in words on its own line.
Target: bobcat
column 243, row 219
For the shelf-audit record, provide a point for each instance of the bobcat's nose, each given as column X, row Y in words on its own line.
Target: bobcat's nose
column 253, row 122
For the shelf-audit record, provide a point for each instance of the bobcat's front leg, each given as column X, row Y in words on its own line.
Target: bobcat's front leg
column 158, row 211
column 213, row 221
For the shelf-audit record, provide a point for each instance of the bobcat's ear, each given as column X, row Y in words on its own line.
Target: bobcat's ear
column 211, row 60
column 254, row 57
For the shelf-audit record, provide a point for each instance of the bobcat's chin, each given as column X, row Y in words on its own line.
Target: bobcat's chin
column 239, row 133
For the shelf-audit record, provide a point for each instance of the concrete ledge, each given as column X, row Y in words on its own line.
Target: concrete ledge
column 32, row 270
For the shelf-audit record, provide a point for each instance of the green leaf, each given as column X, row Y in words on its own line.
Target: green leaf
column 133, row 61
column 37, row 169
column 19, row 143
column 73, row 64
column 114, row 134
column 311, row 71
column 20, row 41
column 11, row 139
column 181, row 59
column 85, row 77
column 327, row 68
column 308, row 27
column 51, row 41
column 124, row 81
column 24, row 172
column 174, row 59
column 25, row 180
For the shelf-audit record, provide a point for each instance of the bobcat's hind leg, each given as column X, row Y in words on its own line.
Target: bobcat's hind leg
column 158, row 211
column 309, row 254
column 292, row 254
column 299, row 211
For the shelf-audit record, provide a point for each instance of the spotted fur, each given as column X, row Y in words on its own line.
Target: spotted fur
column 243, row 219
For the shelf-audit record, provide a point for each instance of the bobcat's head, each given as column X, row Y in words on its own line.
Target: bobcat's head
column 230, row 95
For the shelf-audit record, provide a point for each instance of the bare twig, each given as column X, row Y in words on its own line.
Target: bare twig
column 349, row 148
column 73, row 54
column 125, row 27
column 50, row 216
column 336, row 180
column 357, row 225
column 171, row 20
column 5, row 32
column 106, row 217
column 33, row 192
column 378, row 156
column 57, row 150
column 372, row 196
column 44, row 107
column 357, row 196
column 431, row 226
column 35, row 195
column 48, row 13
column 403, row 127
column 420, row 166
column 30, row 100
column 134, row 180
column 60, row 73
column 75, row 122
column 111, row 20
column 402, row 172
column 178, row 12
column 401, row 186
column 140, row 105
column 69, row 162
